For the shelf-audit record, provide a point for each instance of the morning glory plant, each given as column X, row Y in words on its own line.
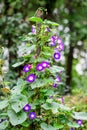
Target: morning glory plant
column 35, row 102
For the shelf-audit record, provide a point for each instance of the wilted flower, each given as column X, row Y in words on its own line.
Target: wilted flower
column 27, row 68
column 48, row 29
column 27, row 108
column 62, row 99
column 52, row 41
column 60, row 47
column 31, row 78
column 58, row 79
column 33, row 29
column 50, row 96
column 32, row 115
column 55, row 85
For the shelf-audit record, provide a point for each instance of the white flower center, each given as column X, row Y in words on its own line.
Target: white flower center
column 44, row 64
column 40, row 67
column 26, row 107
column 27, row 68
column 57, row 56
column 59, row 40
column 32, row 115
column 31, row 78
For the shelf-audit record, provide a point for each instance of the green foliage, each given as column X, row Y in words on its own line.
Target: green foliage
column 45, row 126
column 35, row 50
column 16, row 118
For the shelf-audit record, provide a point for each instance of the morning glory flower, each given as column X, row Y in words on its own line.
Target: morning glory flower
column 59, row 40
column 31, row 78
column 45, row 64
column 52, row 41
column 57, row 56
column 79, row 122
column 39, row 67
column 62, row 99
column 58, row 79
column 27, row 68
column 27, row 108
column 50, row 96
column 33, row 29
column 32, row 115
column 48, row 29
column 60, row 47
column 72, row 129
column 55, row 85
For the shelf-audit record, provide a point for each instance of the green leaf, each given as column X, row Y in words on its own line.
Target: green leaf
column 80, row 115
column 19, row 88
column 40, row 83
column 49, row 100
column 4, row 124
column 3, row 104
column 3, row 114
column 36, row 19
column 18, row 101
column 55, row 69
column 16, row 118
column 58, row 126
column 46, row 106
column 18, row 64
column 25, row 124
column 27, row 49
column 50, row 92
column 50, row 23
column 45, row 126
column 73, row 124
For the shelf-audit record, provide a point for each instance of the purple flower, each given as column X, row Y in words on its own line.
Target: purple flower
column 26, row 68
column 59, row 40
column 55, row 85
column 79, row 122
column 48, row 29
column 60, row 71
column 39, row 67
column 32, row 115
column 62, row 100
column 52, row 41
column 57, row 56
column 58, row 78
column 31, row 78
column 72, row 129
column 50, row 96
column 45, row 64
column 33, row 29
column 27, row 108
column 60, row 47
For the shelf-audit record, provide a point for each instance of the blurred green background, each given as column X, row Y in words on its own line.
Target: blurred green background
column 72, row 17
